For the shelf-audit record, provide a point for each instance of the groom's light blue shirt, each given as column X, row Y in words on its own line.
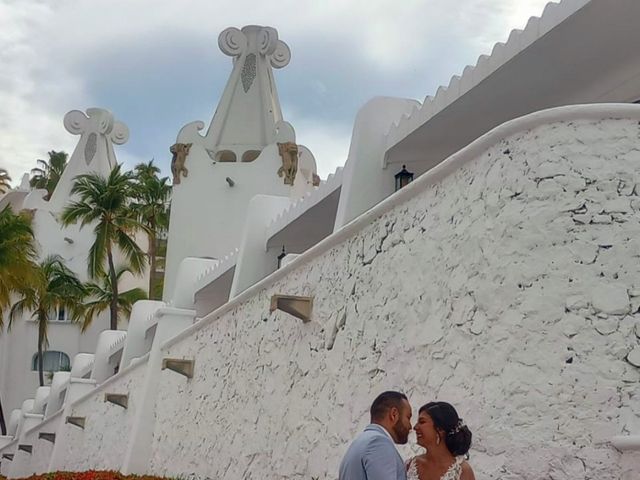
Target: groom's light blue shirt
column 372, row 456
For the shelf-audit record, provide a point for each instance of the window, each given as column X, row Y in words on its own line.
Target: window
column 225, row 156
column 250, row 155
column 53, row 361
column 59, row 315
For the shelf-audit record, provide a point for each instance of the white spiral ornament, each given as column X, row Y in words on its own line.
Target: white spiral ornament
column 267, row 40
column 119, row 133
column 97, row 121
column 102, row 120
column 75, row 122
column 232, row 42
column 281, row 56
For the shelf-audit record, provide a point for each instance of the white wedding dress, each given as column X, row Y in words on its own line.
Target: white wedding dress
column 454, row 472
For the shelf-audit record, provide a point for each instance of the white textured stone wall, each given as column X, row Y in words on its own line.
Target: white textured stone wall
column 25, row 464
column 42, row 450
column 103, row 442
column 510, row 288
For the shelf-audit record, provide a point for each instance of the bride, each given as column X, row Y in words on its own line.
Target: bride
column 446, row 439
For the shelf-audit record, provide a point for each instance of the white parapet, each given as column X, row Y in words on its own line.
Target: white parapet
column 364, row 182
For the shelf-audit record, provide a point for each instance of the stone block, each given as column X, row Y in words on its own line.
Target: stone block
column 610, row 298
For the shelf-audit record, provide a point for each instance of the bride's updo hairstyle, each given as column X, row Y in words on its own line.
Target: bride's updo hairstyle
column 457, row 436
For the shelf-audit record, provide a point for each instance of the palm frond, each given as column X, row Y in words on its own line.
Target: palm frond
column 98, row 251
column 136, row 258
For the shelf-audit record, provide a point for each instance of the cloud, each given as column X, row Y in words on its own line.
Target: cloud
column 326, row 141
column 156, row 65
column 33, row 91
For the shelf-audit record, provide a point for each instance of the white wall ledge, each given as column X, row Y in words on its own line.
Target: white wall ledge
column 114, row 378
column 626, row 442
column 45, row 422
column 179, row 312
column 82, row 380
column 469, row 153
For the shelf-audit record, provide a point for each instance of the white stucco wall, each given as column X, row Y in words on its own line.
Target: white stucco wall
column 207, row 215
column 365, row 182
column 103, row 442
column 26, row 464
column 22, row 344
column 17, row 380
column 508, row 287
column 42, row 449
column 504, row 281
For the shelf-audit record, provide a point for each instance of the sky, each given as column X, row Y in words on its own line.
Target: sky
column 156, row 65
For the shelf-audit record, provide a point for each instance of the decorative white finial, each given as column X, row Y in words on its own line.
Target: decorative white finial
column 96, row 122
column 255, row 40
column 243, row 124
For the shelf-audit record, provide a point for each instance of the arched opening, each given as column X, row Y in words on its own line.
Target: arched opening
column 52, row 361
column 250, row 155
column 226, row 156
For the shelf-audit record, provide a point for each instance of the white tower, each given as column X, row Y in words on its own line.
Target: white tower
column 216, row 175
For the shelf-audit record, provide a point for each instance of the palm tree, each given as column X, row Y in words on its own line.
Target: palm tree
column 48, row 172
column 4, row 180
column 17, row 255
column 147, row 170
column 151, row 204
column 57, row 287
column 100, row 297
column 104, row 203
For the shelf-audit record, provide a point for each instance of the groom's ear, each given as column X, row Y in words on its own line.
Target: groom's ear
column 394, row 414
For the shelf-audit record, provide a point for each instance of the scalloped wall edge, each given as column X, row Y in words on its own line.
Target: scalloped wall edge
column 115, row 343
column 554, row 14
column 333, row 181
column 210, row 274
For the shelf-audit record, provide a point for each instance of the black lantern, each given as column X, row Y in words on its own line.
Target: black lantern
column 281, row 256
column 403, row 178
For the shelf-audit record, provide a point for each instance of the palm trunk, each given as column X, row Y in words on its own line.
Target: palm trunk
column 40, row 354
column 152, row 264
column 114, row 290
column 3, row 426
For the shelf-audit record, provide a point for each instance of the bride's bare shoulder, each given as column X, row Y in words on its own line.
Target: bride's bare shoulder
column 467, row 472
column 413, row 460
column 420, row 458
column 410, row 460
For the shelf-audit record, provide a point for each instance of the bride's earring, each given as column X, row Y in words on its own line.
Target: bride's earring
column 437, row 439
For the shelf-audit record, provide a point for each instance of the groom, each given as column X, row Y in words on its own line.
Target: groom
column 373, row 455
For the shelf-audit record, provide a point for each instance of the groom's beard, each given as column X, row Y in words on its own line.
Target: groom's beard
column 401, row 433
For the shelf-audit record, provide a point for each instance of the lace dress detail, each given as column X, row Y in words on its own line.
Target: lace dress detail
column 454, row 472
column 412, row 469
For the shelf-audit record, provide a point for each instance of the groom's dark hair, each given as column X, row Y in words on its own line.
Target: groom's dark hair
column 384, row 402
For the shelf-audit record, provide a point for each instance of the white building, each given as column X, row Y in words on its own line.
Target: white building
column 503, row 278
column 18, row 347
